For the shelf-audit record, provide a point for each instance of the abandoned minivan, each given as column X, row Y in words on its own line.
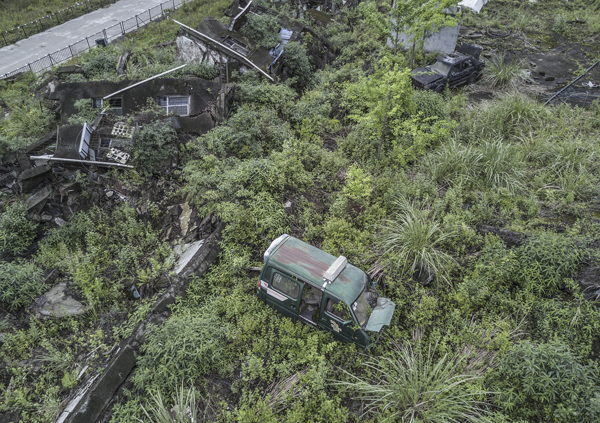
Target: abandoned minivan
column 306, row 283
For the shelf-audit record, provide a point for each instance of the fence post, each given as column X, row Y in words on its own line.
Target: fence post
column 136, row 21
column 105, row 37
column 88, row 41
column 50, row 57
column 29, row 64
column 23, row 28
column 71, row 50
column 149, row 15
column 122, row 28
column 5, row 43
column 173, row 4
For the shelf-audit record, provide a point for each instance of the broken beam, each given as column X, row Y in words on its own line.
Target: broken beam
column 224, row 47
column 88, row 162
column 143, row 82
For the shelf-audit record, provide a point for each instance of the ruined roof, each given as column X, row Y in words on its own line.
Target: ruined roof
column 219, row 31
column 310, row 264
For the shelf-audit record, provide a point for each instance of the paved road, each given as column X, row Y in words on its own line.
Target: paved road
column 39, row 45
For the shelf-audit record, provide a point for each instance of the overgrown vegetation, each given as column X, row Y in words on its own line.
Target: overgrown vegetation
column 408, row 185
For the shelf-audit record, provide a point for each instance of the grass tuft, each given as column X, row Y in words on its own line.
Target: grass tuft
column 412, row 387
column 500, row 72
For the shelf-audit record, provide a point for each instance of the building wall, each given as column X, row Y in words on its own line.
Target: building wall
column 203, row 94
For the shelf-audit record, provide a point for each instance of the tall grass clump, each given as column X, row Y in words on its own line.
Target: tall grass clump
column 512, row 114
column 493, row 164
column 409, row 386
column 184, row 410
column 500, row 72
column 411, row 239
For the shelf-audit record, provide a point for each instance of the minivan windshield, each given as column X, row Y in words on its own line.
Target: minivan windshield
column 361, row 308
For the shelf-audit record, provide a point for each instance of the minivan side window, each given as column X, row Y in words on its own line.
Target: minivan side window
column 338, row 309
column 286, row 285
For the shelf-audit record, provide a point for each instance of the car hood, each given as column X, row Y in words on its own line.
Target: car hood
column 425, row 75
column 381, row 315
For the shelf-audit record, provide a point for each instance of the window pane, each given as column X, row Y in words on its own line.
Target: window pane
column 178, row 110
column 286, row 285
column 175, row 101
column 162, row 101
column 338, row 309
column 115, row 102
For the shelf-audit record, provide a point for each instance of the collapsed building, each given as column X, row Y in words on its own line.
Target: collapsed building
column 194, row 105
column 223, row 46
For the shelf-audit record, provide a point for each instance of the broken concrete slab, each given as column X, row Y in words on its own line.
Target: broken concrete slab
column 38, row 197
column 184, row 254
column 8, row 178
column 184, row 219
column 31, row 178
column 56, row 303
column 24, row 161
column 122, row 65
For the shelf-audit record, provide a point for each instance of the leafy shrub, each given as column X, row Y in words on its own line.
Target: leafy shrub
column 262, row 30
column 20, row 284
column 201, row 70
column 85, row 112
column 297, row 66
column 546, row 261
column 546, row 382
column 187, row 346
column 16, row 230
column 249, row 133
column 101, row 62
column 154, row 145
column 412, row 387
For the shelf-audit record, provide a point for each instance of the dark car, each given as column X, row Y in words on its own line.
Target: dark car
column 452, row 69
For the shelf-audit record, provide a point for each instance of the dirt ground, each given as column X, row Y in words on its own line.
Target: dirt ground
column 550, row 65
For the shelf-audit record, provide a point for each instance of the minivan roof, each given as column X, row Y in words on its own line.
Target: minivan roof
column 309, row 263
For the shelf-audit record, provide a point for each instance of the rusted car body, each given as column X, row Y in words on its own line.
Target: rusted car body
column 452, row 70
column 308, row 284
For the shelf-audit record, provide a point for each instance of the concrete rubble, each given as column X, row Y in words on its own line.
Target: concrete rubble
column 57, row 303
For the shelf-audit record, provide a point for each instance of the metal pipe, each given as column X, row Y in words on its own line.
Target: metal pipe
column 574, row 81
column 143, row 82
column 90, row 162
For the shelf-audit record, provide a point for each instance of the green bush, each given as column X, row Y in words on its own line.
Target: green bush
column 85, row 112
column 101, row 62
column 16, row 230
column 297, row 66
column 20, row 284
column 546, row 261
column 188, row 346
column 154, row 146
column 546, row 382
column 262, row 30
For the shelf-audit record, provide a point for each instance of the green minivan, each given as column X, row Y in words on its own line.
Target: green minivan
column 306, row 283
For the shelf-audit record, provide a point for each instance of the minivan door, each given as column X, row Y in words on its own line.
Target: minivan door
column 282, row 293
column 337, row 319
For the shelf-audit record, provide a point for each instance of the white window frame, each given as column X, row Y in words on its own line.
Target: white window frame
column 170, row 107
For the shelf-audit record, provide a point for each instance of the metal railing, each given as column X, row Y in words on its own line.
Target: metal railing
column 51, row 20
column 107, row 35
